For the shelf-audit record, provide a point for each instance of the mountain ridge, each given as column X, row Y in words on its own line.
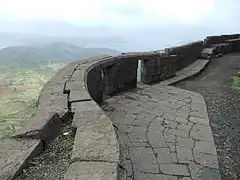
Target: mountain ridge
column 56, row 52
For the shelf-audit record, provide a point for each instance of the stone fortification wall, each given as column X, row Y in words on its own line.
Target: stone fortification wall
column 76, row 93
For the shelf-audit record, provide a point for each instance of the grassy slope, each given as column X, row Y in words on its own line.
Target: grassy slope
column 19, row 92
column 236, row 83
column 30, row 56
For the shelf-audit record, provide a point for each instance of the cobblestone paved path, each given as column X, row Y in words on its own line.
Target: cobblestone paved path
column 165, row 133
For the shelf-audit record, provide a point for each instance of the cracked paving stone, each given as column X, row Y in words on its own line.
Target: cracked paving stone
column 181, row 120
column 177, row 132
column 137, row 134
column 198, row 114
column 185, row 127
column 174, row 157
column 199, row 172
column 156, row 124
column 146, row 176
column 206, row 147
column 156, row 139
column 199, row 106
column 199, row 120
column 163, row 155
column 170, row 124
column 165, row 131
column 184, row 155
column 182, row 114
column 174, row 169
column 143, row 159
column 169, row 138
column 185, row 178
column 202, row 133
column 185, row 142
column 172, row 147
column 169, row 115
column 128, row 166
column 143, row 119
column 205, row 159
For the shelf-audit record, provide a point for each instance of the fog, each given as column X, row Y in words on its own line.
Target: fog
column 133, row 25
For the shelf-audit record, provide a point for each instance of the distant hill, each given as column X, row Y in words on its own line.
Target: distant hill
column 32, row 56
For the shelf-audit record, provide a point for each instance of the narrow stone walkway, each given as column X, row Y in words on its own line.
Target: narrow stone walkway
column 165, row 133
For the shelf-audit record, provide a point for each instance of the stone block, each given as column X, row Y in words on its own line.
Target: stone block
column 14, row 154
column 78, row 76
column 158, row 68
column 174, row 169
column 79, row 95
column 70, row 85
column 91, row 171
column 43, row 125
column 95, row 84
column 120, row 76
column 95, row 140
column 84, row 110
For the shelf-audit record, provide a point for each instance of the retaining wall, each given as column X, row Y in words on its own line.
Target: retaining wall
column 76, row 92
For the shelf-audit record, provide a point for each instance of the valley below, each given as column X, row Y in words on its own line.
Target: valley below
column 19, row 91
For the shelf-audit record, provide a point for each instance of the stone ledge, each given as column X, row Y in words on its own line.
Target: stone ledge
column 14, row 154
column 188, row 72
column 92, row 171
column 95, row 139
column 43, row 126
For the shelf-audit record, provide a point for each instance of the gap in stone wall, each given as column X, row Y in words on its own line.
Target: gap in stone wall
column 139, row 70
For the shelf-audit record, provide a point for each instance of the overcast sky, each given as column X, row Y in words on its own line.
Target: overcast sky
column 119, row 12
column 147, row 24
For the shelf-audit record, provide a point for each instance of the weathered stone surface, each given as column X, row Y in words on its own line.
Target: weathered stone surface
column 143, row 160
column 210, row 40
column 95, row 140
column 187, row 53
column 205, row 159
column 95, row 84
column 78, row 76
column 184, row 155
column 187, row 72
column 91, row 171
column 199, row 172
column 174, row 169
column 84, row 110
column 158, row 68
column 14, row 154
column 70, row 85
column 167, row 140
column 144, row 176
column 202, row 133
column 120, row 75
column 206, row 147
column 79, row 95
column 43, row 125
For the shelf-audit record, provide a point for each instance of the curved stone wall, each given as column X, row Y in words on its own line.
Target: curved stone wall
column 77, row 91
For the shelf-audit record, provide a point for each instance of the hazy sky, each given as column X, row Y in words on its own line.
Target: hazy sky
column 148, row 23
column 119, row 12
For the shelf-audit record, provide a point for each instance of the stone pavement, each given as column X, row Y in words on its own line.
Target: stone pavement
column 165, row 133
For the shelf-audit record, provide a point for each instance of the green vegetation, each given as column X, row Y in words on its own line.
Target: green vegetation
column 23, row 72
column 235, row 83
column 19, row 92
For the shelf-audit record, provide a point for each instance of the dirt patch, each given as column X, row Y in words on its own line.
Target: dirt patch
column 3, row 92
column 223, row 103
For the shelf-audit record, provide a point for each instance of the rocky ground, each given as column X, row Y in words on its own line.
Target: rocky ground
column 52, row 163
column 223, row 100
